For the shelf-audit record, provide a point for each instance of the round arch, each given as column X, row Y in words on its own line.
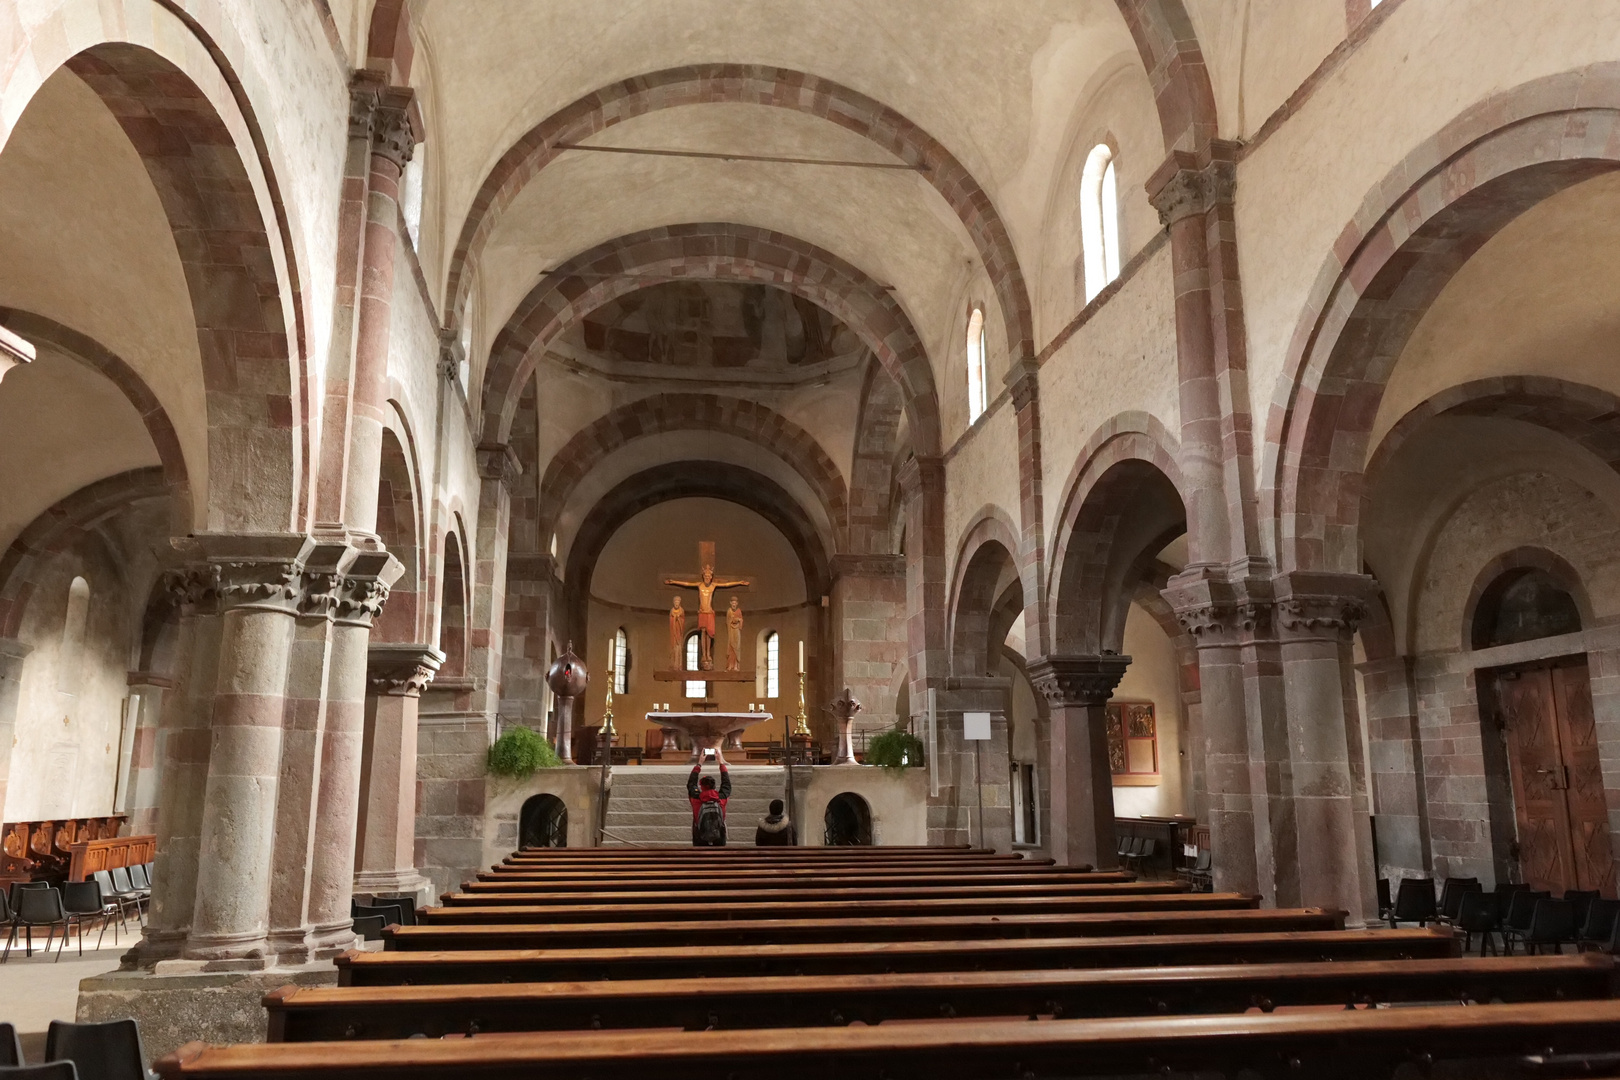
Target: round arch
column 986, row 571
column 714, row 252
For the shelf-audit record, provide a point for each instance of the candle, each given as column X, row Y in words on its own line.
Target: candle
column 801, row 658
column 612, row 658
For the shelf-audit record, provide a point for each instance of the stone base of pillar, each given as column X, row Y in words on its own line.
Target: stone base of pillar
column 154, row 947
column 176, row 1007
column 331, row 939
column 244, row 952
column 290, row 948
column 406, row 882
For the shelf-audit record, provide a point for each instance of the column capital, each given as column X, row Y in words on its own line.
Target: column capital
column 451, row 354
column 1187, row 184
column 1315, row 604
column 1217, row 609
column 919, row 473
column 402, row 670
column 1023, row 382
column 262, row 571
column 395, row 126
column 14, row 350
column 498, row 461
column 1077, row 680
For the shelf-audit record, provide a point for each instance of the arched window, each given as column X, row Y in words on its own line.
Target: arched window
column 621, row 653
column 69, row 671
column 695, row 691
column 978, row 383
column 773, row 665
column 1099, row 220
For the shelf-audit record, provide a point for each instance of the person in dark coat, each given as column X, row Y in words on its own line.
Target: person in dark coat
column 708, row 806
column 775, row 829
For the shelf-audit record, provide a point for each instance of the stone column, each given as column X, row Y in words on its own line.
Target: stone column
column 386, row 842
column 259, row 590
column 393, row 135
column 533, row 606
column 360, row 595
column 922, row 482
column 499, row 469
column 1077, row 689
column 1220, row 618
column 1332, row 845
column 975, row 795
column 1395, row 767
column 141, row 779
column 868, row 614
column 12, row 655
column 182, row 751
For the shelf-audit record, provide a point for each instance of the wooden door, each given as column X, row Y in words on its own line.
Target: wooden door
column 1557, row 781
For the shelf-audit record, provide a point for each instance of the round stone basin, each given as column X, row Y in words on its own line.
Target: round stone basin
column 708, row 730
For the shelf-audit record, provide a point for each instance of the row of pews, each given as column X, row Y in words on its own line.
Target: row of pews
column 910, row 962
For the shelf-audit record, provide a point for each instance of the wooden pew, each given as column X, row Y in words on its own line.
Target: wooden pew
column 714, row 934
column 670, row 961
column 733, row 910
column 302, row 1014
column 727, row 877
column 786, row 879
column 1365, row 1044
column 506, row 896
column 692, row 866
column 681, row 852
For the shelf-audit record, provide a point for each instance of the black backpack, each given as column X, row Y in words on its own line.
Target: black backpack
column 711, row 825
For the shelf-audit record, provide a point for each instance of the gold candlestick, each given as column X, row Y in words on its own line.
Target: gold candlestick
column 607, row 710
column 802, row 726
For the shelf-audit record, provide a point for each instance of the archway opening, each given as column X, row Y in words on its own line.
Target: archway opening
column 1522, row 605
column 543, row 823
column 848, row 821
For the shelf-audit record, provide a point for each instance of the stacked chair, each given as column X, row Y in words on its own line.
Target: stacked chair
column 622, row 964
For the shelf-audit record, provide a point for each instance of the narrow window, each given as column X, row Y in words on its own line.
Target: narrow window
column 773, row 665
column 1099, row 220
column 695, row 691
column 621, row 653
column 978, row 389
column 69, row 672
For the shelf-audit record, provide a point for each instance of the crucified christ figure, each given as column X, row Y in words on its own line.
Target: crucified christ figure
column 706, row 584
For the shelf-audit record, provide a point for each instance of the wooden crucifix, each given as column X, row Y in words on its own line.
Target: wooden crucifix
column 706, row 584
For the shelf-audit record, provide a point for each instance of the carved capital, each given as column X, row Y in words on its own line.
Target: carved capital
column 402, row 670
column 1185, row 185
column 845, row 707
column 363, row 89
column 1218, row 611
column 1024, row 383
column 14, row 350
column 393, row 128
column 1077, row 681
column 498, row 461
column 451, row 354
column 1322, row 604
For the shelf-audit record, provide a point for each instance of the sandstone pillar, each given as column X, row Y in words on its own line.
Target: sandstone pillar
column 922, row 483
column 393, row 135
column 868, row 614
column 259, row 590
column 1077, row 689
column 1222, row 619
column 1395, row 768
column 360, row 595
column 141, row 780
column 12, row 655
column 1332, row 854
column 974, row 804
column 499, row 470
column 182, row 752
column 533, row 607
column 385, row 853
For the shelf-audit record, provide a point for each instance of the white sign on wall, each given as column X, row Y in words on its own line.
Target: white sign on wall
column 975, row 726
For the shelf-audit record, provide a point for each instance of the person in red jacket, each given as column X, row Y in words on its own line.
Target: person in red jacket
column 708, row 806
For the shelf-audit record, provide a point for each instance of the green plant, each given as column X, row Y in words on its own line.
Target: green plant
column 895, row 750
column 520, row 751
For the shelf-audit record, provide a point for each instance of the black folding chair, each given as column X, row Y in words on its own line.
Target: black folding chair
column 1479, row 913
column 106, row 1051
column 1599, row 925
column 57, row 1070
column 37, row 907
column 1385, row 904
column 1516, row 920
column 10, row 1044
column 1451, row 894
column 1552, row 922
column 369, row 927
column 1414, row 902
column 406, row 905
column 126, row 901
column 82, row 902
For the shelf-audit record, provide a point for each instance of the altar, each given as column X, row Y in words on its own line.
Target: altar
column 715, row 731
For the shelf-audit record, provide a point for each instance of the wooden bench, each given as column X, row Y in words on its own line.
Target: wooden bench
column 669, row 961
column 1365, row 1044
column 505, row 895
column 301, row 1014
column 731, row 911
column 726, row 877
column 783, row 880
column 690, row 866
column 931, row 850
column 714, row 934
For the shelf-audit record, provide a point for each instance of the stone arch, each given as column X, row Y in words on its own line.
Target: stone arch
column 755, row 84
column 713, row 251
column 62, row 527
column 455, row 604
column 657, row 414
column 256, row 442
column 1411, row 235
column 399, row 526
column 1168, row 44
column 104, row 361
column 681, row 480
column 871, row 480
column 1124, row 502
column 388, row 41
column 1523, row 558
column 986, row 570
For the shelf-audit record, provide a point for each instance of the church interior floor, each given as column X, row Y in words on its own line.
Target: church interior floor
column 34, row 990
